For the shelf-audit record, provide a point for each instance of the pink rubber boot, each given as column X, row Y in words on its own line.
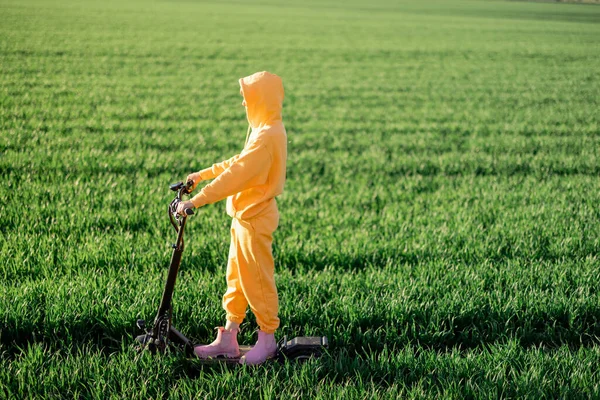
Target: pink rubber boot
column 224, row 345
column 265, row 348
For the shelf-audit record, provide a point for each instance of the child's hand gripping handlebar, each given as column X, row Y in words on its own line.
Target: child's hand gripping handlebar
column 181, row 189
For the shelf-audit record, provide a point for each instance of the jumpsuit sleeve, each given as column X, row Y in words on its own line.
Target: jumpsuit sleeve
column 217, row 168
column 255, row 159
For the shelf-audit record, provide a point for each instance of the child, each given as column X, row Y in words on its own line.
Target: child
column 250, row 181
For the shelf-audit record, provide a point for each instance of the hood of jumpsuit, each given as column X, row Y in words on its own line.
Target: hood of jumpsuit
column 263, row 93
column 252, row 179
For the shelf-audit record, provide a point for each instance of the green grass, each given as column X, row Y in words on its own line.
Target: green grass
column 440, row 222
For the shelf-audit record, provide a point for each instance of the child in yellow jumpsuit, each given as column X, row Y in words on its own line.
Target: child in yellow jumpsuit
column 250, row 181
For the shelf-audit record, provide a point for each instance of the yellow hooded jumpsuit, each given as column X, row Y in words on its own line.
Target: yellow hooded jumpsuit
column 250, row 181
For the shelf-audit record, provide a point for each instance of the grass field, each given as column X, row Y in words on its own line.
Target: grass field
column 441, row 220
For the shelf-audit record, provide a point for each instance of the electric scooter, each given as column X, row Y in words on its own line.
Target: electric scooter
column 163, row 336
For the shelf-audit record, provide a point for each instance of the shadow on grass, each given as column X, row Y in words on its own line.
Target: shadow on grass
column 478, row 329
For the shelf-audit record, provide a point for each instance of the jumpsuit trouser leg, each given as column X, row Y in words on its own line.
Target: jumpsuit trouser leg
column 251, row 272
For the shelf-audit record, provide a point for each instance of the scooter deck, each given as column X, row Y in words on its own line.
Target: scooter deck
column 298, row 348
column 225, row 360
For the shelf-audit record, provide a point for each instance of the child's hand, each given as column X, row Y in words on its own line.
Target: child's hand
column 182, row 206
column 195, row 177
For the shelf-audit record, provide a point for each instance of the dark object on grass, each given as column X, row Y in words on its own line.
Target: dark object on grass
column 163, row 335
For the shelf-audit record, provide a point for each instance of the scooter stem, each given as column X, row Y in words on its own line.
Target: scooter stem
column 165, row 303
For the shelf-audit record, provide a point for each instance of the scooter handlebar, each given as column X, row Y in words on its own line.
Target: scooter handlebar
column 181, row 189
column 187, row 187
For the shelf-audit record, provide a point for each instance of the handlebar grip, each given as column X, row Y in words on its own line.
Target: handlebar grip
column 189, row 211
